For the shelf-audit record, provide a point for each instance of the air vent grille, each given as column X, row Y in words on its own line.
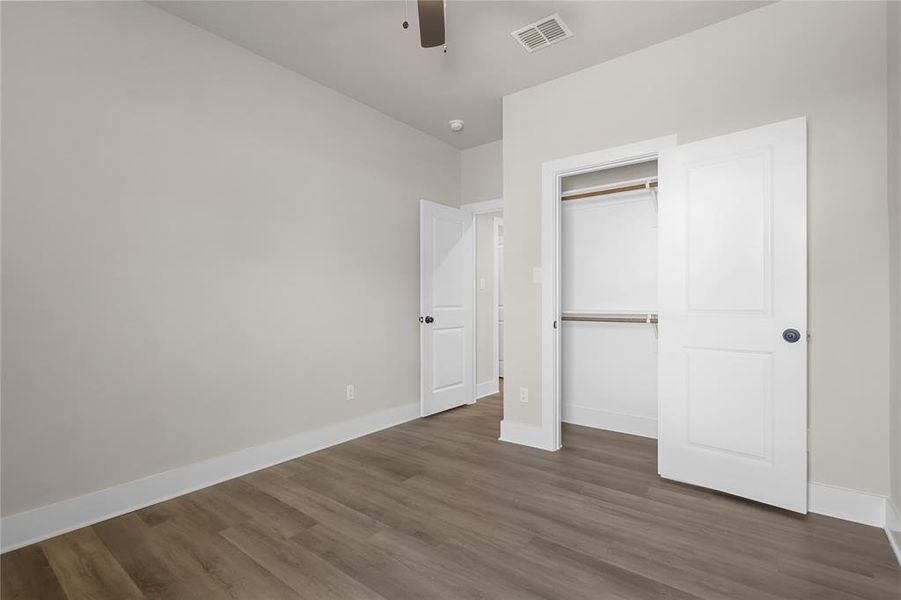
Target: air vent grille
column 543, row 33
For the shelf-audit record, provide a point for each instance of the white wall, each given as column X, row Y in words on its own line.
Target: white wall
column 480, row 173
column 200, row 249
column 747, row 71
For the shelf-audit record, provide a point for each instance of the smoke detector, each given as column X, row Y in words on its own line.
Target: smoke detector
column 542, row 33
column 456, row 125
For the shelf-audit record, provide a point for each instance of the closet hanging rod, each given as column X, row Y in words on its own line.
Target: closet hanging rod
column 650, row 184
column 641, row 318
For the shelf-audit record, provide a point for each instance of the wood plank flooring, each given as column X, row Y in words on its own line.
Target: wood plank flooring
column 439, row 508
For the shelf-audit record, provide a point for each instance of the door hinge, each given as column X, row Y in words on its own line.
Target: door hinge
column 555, row 324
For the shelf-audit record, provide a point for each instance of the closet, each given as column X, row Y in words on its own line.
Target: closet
column 674, row 305
column 608, row 299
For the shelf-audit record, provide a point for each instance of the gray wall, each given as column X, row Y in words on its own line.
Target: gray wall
column 480, row 173
column 894, row 223
column 200, row 249
column 826, row 60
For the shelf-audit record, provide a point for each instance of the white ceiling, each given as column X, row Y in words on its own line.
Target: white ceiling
column 360, row 49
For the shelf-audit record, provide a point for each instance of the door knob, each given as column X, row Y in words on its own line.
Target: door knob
column 791, row 335
column 429, row 319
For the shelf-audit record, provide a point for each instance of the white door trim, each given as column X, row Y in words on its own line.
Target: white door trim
column 474, row 320
column 551, row 174
column 498, row 222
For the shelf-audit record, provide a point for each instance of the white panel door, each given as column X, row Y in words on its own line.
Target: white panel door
column 446, row 302
column 732, row 363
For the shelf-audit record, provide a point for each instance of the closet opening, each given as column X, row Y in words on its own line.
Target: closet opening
column 608, row 298
column 598, row 293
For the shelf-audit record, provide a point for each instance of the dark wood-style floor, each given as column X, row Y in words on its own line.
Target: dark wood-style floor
column 438, row 508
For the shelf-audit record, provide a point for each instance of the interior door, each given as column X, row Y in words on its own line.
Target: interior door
column 733, row 314
column 447, row 270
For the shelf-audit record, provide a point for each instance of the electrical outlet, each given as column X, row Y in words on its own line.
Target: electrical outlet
column 350, row 392
column 523, row 394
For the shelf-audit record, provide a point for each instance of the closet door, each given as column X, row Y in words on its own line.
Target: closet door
column 733, row 314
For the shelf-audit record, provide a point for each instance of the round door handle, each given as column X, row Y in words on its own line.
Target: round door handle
column 429, row 319
column 791, row 335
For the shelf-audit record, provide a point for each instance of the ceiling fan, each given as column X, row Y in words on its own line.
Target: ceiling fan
column 431, row 23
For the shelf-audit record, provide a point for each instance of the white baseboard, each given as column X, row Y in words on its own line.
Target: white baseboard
column 893, row 527
column 48, row 521
column 525, row 435
column 54, row 519
column 612, row 421
column 824, row 499
column 847, row 504
column 488, row 388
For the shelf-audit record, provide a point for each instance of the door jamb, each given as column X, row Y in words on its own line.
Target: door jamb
column 497, row 222
column 474, row 301
column 552, row 173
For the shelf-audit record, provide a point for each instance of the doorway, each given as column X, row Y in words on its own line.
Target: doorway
column 488, row 276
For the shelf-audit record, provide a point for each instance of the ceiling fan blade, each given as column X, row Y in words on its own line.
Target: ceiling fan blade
column 431, row 23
